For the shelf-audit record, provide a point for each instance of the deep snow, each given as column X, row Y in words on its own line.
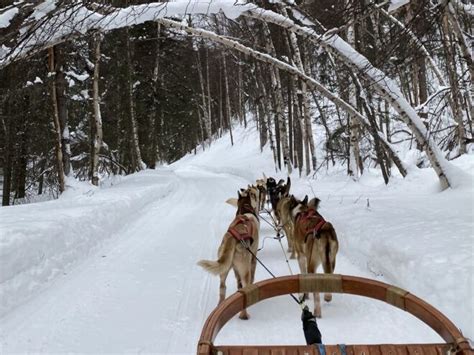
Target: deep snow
column 114, row 269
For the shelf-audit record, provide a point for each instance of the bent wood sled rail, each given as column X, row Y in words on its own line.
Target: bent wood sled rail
column 397, row 297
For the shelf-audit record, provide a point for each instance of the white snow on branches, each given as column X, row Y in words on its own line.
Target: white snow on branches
column 7, row 16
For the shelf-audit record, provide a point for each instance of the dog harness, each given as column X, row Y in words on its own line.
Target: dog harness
column 308, row 218
column 247, row 232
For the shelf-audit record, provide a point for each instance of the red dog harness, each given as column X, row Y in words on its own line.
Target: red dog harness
column 309, row 216
column 246, row 233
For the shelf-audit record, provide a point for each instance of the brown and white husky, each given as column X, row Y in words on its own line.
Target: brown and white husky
column 315, row 242
column 242, row 233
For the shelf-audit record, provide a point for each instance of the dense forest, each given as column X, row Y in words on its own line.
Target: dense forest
column 91, row 89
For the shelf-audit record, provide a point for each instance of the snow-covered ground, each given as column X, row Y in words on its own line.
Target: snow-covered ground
column 114, row 269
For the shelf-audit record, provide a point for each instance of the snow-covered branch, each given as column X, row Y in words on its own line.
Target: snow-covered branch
column 384, row 86
column 312, row 83
column 50, row 24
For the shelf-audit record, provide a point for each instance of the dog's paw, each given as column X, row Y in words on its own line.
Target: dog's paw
column 244, row 316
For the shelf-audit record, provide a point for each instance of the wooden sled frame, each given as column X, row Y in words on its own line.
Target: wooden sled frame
column 455, row 342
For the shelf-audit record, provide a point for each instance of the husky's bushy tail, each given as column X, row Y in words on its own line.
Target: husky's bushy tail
column 232, row 201
column 226, row 255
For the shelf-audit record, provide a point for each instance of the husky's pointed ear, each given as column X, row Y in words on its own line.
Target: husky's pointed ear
column 264, row 177
column 288, row 185
column 238, row 194
column 305, row 200
column 314, row 203
column 293, row 201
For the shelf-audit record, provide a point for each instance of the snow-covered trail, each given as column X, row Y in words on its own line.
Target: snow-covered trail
column 140, row 288
column 142, row 291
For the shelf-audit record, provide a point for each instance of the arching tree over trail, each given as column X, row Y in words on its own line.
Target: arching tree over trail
column 164, row 92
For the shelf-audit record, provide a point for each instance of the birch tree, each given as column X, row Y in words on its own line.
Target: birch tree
column 96, row 121
column 206, row 105
column 56, row 122
column 136, row 153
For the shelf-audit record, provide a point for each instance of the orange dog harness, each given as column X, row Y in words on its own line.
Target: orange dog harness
column 241, row 234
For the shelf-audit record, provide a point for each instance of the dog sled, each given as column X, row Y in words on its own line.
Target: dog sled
column 455, row 343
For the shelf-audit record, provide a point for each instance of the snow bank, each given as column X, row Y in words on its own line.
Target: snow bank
column 39, row 242
column 416, row 238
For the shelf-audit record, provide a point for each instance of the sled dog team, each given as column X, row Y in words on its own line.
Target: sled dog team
column 311, row 239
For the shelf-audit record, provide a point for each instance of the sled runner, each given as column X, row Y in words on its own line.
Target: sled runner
column 455, row 342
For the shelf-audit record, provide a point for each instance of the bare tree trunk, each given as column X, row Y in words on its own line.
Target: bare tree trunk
column 57, row 126
column 453, row 81
column 221, row 112
column 326, row 128
column 355, row 166
column 161, row 121
column 120, row 138
column 97, row 120
column 205, row 103
column 264, row 102
column 307, row 116
column 468, row 60
column 154, row 117
column 277, row 92
column 202, row 128
column 305, row 102
column 8, row 160
column 21, row 158
column 290, row 117
column 137, row 161
column 461, row 40
column 209, row 99
column 227, row 98
column 304, row 133
column 61, row 97
column 370, row 113
column 388, row 133
column 299, row 135
column 263, row 129
column 42, row 165
column 240, row 90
